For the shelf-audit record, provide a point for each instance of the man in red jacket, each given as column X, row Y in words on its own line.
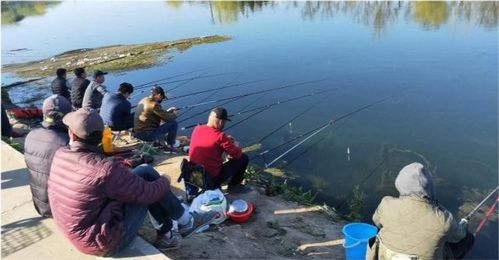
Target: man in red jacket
column 99, row 204
column 209, row 143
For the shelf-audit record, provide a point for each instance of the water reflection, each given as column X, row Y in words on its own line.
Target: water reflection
column 379, row 15
column 15, row 11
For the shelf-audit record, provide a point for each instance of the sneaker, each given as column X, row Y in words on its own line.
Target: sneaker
column 239, row 189
column 200, row 221
column 173, row 150
column 168, row 241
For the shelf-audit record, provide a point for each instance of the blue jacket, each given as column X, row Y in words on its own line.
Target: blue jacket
column 116, row 112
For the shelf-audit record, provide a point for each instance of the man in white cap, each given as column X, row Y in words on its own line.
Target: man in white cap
column 414, row 225
column 99, row 204
column 40, row 146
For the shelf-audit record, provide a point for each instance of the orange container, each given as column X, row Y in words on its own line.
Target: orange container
column 107, row 140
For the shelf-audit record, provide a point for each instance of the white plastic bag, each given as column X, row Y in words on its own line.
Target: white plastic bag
column 211, row 200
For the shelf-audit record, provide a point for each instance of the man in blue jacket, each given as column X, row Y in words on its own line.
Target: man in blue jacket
column 116, row 110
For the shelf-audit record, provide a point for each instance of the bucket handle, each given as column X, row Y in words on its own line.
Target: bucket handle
column 353, row 245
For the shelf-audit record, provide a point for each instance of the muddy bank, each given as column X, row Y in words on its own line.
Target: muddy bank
column 110, row 58
column 277, row 229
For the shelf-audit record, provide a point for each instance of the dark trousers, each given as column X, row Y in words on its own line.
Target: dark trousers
column 459, row 249
column 167, row 208
column 159, row 133
column 233, row 169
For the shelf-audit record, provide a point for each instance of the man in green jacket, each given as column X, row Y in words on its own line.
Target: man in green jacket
column 414, row 225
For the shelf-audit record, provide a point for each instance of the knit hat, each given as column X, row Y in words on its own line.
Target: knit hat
column 415, row 179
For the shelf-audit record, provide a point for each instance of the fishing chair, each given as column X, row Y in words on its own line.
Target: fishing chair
column 195, row 179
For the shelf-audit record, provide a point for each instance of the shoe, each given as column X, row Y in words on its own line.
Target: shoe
column 168, row 241
column 199, row 222
column 173, row 150
column 239, row 189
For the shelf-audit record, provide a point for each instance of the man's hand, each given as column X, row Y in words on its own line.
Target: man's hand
column 171, row 110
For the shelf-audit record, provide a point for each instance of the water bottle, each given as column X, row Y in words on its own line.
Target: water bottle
column 107, row 140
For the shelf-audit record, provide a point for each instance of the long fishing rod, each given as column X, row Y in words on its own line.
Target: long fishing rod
column 170, row 77
column 212, row 93
column 315, row 129
column 248, row 94
column 259, row 109
column 468, row 217
column 290, row 120
column 267, row 165
column 220, row 88
column 251, row 103
column 247, row 118
column 186, row 82
column 191, row 78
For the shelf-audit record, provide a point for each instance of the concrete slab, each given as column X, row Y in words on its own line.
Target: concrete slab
column 25, row 235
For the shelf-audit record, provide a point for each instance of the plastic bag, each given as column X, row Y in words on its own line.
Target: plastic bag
column 211, row 200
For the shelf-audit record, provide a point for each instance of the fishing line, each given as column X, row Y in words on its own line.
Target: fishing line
column 193, row 78
column 170, row 77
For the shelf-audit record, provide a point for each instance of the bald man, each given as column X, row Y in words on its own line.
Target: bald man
column 209, row 143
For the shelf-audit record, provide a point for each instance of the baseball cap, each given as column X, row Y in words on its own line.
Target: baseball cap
column 221, row 113
column 84, row 122
column 54, row 108
column 99, row 73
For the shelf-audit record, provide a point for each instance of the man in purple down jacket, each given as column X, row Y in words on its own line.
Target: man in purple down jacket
column 40, row 146
column 99, row 203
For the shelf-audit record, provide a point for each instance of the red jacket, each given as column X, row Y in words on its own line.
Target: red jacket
column 86, row 192
column 207, row 146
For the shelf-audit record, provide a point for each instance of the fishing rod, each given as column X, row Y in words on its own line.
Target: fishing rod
column 248, row 94
column 170, row 77
column 191, row 79
column 247, row 118
column 488, row 214
column 289, row 121
column 468, row 217
column 186, row 82
column 315, row 129
column 200, row 113
column 261, row 108
column 220, row 88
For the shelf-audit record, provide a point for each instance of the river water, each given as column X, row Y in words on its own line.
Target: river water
column 437, row 60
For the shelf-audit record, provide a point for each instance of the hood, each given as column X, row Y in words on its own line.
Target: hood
column 415, row 179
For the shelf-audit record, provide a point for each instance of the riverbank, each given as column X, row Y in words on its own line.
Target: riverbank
column 109, row 58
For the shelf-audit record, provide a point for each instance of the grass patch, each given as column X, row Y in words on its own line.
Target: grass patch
column 17, row 146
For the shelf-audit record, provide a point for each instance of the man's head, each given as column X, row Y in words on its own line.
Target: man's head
column 80, row 73
column 415, row 179
column 99, row 76
column 54, row 109
column 217, row 118
column 125, row 89
column 61, row 73
column 158, row 94
column 84, row 125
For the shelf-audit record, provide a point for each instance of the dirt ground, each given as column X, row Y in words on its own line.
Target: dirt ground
column 277, row 229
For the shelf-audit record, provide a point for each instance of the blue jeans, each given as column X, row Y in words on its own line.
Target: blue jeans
column 163, row 211
column 159, row 133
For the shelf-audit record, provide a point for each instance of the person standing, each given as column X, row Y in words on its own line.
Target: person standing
column 209, row 143
column 95, row 91
column 78, row 87
column 40, row 146
column 116, row 110
column 414, row 225
column 148, row 118
column 59, row 85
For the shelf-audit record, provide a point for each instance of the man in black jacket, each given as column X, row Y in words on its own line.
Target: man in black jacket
column 60, row 85
column 78, row 87
column 40, row 146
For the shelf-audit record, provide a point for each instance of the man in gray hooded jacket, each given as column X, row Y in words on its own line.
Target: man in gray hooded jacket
column 414, row 225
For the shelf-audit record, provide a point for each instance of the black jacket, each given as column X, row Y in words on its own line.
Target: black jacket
column 78, row 87
column 60, row 87
column 39, row 149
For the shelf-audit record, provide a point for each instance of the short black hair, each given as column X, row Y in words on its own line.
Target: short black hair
column 158, row 90
column 79, row 72
column 95, row 138
column 60, row 72
column 125, row 87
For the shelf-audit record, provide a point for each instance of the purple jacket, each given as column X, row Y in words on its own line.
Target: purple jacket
column 87, row 190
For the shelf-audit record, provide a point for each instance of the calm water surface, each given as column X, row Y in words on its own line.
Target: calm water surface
column 440, row 60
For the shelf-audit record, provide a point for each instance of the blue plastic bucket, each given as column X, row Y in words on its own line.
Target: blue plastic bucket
column 357, row 236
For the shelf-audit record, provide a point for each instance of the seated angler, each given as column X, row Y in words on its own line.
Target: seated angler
column 414, row 225
column 78, row 87
column 116, row 110
column 40, row 146
column 59, row 85
column 148, row 120
column 209, row 143
column 95, row 91
column 99, row 204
